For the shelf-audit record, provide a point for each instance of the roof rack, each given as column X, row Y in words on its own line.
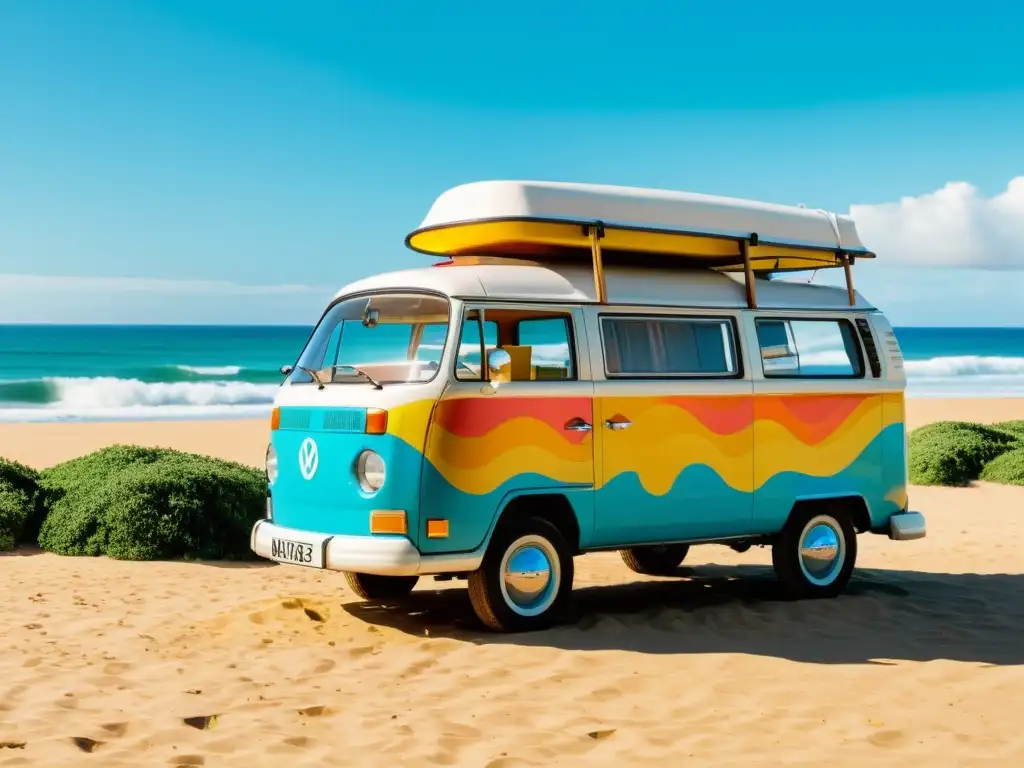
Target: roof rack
column 545, row 221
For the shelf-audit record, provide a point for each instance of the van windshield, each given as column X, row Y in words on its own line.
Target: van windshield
column 376, row 340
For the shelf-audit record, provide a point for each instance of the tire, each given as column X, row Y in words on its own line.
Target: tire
column 660, row 560
column 371, row 587
column 829, row 530
column 531, row 546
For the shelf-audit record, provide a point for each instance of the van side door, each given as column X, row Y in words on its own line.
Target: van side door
column 674, row 413
column 528, row 431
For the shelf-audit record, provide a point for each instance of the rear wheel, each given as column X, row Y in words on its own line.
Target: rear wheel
column 815, row 554
column 525, row 579
column 661, row 560
column 372, row 587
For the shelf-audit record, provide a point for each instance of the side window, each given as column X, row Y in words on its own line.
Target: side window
column 539, row 342
column 550, row 343
column 468, row 362
column 669, row 346
column 809, row 348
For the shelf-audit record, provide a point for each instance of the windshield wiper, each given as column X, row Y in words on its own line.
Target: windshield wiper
column 314, row 375
column 364, row 374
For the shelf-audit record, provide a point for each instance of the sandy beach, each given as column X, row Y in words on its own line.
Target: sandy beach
column 212, row 664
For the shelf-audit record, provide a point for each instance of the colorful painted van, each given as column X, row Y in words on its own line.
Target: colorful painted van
column 591, row 368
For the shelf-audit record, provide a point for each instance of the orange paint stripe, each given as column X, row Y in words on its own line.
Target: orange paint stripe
column 810, row 418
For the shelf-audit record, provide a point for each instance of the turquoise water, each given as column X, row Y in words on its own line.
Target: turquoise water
column 111, row 372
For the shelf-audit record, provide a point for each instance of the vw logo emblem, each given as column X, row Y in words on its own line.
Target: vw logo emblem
column 309, row 458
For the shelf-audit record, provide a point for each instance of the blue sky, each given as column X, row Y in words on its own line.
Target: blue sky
column 191, row 157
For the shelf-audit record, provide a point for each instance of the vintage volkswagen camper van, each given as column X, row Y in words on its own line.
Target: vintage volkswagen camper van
column 591, row 368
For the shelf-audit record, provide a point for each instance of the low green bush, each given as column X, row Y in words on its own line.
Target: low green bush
column 954, row 452
column 1007, row 468
column 1015, row 428
column 134, row 503
column 18, row 490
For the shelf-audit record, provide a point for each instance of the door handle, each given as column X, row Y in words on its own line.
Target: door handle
column 577, row 425
column 618, row 423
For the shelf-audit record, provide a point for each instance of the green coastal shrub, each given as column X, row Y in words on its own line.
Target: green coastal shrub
column 1015, row 428
column 1007, row 468
column 134, row 503
column 954, row 452
column 18, row 490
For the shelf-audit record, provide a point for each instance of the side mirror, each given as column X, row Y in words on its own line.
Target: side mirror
column 499, row 366
column 286, row 370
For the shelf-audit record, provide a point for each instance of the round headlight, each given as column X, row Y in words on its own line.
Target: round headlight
column 370, row 471
column 271, row 464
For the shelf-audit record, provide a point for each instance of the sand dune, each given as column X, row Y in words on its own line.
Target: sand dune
column 190, row 664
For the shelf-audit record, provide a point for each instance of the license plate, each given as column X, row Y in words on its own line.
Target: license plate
column 297, row 552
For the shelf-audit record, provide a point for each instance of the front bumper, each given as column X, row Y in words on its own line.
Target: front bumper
column 377, row 555
column 907, row 526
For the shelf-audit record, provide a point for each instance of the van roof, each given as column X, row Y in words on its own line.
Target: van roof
column 545, row 220
column 501, row 279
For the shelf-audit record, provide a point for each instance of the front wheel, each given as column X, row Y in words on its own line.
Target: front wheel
column 815, row 554
column 658, row 560
column 525, row 579
column 372, row 587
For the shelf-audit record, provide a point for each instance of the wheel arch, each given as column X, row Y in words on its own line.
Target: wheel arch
column 551, row 506
column 854, row 504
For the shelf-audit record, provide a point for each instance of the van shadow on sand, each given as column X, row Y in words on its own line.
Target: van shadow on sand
column 885, row 616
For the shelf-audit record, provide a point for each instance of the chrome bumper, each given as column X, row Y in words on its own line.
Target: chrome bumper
column 907, row 526
column 378, row 555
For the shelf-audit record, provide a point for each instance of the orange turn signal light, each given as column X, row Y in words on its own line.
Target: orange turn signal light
column 275, row 419
column 388, row 521
column 437, row 529
column 376, row 421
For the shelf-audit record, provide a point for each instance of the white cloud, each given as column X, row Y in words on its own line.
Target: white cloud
column 59, row 284
column 952, row 227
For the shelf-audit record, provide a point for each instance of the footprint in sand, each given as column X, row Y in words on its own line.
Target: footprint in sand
column 115, row 729
column 202, row 723
column 891, row 738
column 86, row 744
column 187, row 761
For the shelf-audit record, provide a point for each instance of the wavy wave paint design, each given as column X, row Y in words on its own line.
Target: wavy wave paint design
column 814, row 435
column 479, row 444
column 409, row 422
column 687, row 467
column 724, row 510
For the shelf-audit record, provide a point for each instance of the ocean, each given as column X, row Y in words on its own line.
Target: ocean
column 55, row 373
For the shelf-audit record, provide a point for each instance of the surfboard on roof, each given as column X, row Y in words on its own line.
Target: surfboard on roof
column 546, row 220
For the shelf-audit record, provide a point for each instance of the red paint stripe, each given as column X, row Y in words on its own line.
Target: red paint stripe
column 721, row 415
column 476, row 416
